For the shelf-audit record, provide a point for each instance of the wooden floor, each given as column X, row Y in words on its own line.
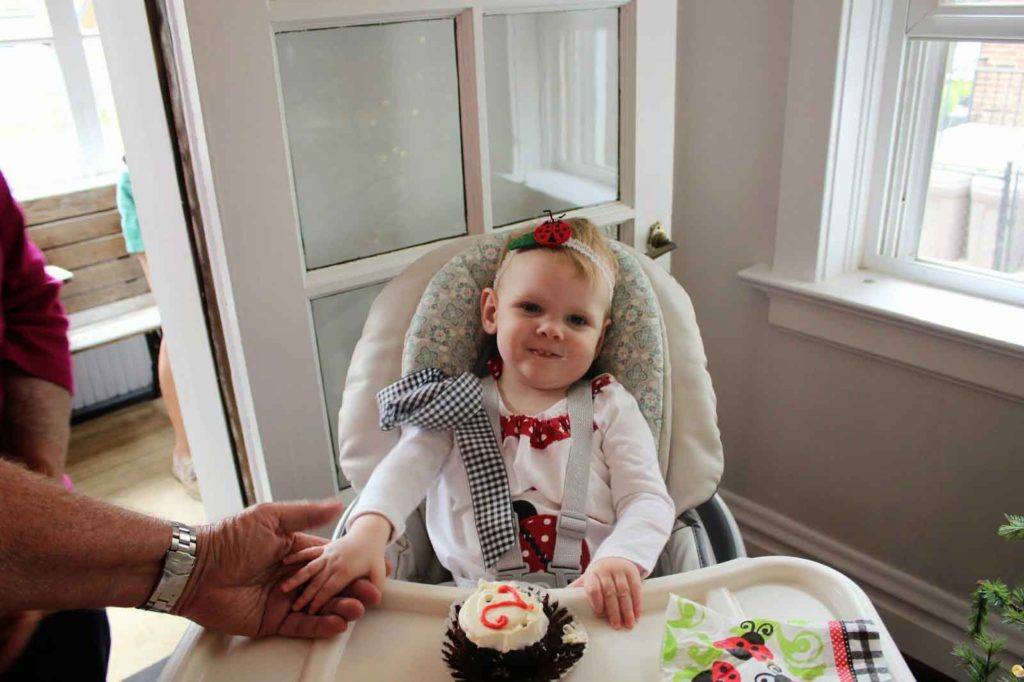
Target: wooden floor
column 124, row 458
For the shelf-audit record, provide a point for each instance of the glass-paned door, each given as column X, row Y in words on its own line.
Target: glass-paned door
column 338, row 141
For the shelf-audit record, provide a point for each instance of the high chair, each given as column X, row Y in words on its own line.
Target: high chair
column 428, row 316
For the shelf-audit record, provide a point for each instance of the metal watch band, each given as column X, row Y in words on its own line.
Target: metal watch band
column 178, row 564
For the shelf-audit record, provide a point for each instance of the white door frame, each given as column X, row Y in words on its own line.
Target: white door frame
column 130, row 58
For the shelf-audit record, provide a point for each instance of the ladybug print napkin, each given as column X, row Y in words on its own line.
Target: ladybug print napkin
column 701, row 645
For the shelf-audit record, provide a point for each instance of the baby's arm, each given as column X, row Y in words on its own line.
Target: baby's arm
column 395, row 489
column 644, row 511
column 330, row 568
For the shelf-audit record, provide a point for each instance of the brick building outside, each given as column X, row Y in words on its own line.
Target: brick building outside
column 974, row 212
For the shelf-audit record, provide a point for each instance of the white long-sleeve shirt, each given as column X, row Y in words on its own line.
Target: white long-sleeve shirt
column 630, row 513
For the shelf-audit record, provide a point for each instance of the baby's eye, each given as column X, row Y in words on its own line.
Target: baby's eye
column 577, row 321
column 531, row 308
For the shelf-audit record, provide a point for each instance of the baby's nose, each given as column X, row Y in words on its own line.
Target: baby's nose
column 549, row 327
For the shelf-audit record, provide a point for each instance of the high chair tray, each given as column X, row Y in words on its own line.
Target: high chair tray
column 401, row 639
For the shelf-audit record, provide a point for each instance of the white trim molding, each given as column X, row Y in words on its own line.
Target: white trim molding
column 960, row 338
column 925, row 621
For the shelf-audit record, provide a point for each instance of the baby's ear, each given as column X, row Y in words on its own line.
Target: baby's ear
column 489, row 310
column 604, row 334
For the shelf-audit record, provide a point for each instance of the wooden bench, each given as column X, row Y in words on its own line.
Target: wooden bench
column 107, row 299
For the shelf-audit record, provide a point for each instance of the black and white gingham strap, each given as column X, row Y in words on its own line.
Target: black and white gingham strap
column 431, row 400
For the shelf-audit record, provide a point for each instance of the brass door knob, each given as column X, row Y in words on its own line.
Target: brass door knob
column 658, row 242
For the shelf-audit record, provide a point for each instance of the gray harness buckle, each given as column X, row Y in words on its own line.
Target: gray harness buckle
column 572, row 525
column 555, row 576
column 563, row 575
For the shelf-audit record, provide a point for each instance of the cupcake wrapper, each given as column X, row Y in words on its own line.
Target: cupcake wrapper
column 547, row 660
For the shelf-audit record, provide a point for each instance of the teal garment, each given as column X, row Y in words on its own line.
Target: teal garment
column 129, row 218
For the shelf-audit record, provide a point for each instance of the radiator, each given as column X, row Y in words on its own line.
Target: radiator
column 112, row 373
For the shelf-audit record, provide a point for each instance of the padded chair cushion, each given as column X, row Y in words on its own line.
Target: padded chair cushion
column 446, row 333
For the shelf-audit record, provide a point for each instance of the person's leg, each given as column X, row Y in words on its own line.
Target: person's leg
column 181, row 461
column 182, row 456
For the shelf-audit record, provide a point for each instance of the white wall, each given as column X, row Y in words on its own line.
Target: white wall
column 901, row 475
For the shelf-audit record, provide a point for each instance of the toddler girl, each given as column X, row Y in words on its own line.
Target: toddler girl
column 549, row 310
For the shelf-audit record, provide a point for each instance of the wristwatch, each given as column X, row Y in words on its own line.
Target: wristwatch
column 178, row 565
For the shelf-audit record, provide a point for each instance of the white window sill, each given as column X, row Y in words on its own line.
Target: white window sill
column 572, row 189
column 962, row 338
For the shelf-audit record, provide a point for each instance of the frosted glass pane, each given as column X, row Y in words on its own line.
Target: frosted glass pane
column 338, row 321
column 372, row 115
column 552, row 111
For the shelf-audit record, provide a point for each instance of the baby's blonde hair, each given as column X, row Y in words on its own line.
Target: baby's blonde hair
column 588, row 233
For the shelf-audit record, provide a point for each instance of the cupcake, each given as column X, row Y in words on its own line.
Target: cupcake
column 511, row 631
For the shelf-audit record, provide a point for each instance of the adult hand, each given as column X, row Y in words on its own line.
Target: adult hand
column 16, row 629
column 234, row 586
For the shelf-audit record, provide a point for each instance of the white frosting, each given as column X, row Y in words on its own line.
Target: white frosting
column 573, row 633
column 524, row 627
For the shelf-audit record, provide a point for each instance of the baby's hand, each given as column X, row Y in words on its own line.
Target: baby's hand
column 330, row 568
column 613, row 589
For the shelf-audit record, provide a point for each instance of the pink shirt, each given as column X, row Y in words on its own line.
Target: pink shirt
column 33, row 327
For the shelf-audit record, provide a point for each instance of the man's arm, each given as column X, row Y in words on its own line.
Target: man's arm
column 60, row 550
column 36, row 424
column 35, row 361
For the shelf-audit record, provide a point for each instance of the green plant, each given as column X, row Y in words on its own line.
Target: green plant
column 979, row 656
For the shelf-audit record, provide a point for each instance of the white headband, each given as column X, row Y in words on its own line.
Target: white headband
column 576, row 245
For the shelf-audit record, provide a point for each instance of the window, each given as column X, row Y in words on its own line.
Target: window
column 552, row 111
column 952, row 209
column 895, row 236
column 58, row 128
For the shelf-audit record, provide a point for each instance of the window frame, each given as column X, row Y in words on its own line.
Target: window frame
column 909, row 99
column 342, row 277
column 838, row 93
column 68, row 44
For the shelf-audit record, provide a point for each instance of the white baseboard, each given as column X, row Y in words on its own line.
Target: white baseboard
column 926, row 622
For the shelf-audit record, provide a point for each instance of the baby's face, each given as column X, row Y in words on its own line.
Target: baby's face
column 550, row 321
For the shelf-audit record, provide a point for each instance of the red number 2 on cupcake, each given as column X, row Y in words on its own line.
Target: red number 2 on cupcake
column 502, row 620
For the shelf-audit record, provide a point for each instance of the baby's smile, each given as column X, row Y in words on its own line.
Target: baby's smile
column 541, row 353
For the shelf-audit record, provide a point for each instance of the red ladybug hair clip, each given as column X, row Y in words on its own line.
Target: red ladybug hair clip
column 551, row 233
